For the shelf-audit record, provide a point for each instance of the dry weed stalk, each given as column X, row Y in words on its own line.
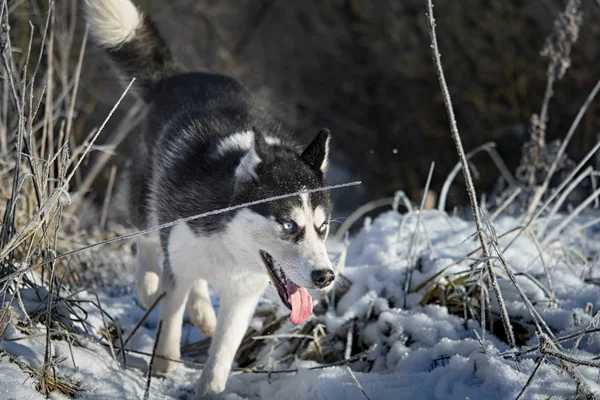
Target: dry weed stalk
column 469, row 181
column 412, row 252
column 540, row 161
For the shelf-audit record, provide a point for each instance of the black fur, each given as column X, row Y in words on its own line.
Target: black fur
column 189, row 115
column 147, row 58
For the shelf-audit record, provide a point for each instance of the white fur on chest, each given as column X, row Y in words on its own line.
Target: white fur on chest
column 216, row 258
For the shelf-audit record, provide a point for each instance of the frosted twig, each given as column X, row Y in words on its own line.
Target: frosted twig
column 119, row 333
column 505, row 204
column 467, row 175
column 546, row 271
column 89, row 146
column 107, row 197
column 592, row 322
column 143, row 353
column 360, row 212
column 412, row 252
column 537, row 319
column 455, row 170
column 570, row 218
column 401, row 196
column 75, row 88
column 564, row 183
column 357, row 382
column 535, row 370
column 141, row 321
column 547, row 348
column 149, row 376
column 108, row 340
column 561, row 339
column 349, row 340
column 283, row 336
column 587, row 172
column 133, row 117
column 585, row 226
column 360, row 356
column 540, row 192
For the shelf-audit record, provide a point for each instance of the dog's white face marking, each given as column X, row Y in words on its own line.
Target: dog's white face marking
column 305, row 200
column 319, row 217
column 299, row 217
column 298, row 259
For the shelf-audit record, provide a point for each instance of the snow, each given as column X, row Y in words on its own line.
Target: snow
column 412, row 350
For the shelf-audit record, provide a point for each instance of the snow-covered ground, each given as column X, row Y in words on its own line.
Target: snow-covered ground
column 410, row 350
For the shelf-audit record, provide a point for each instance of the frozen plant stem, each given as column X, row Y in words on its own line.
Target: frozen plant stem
column 467, row 175
column 151, row 364
column 412, row 254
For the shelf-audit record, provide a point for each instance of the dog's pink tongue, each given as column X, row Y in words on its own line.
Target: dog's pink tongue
column 301, row 301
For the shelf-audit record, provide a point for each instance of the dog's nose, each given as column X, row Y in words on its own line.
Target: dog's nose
column 323, row 277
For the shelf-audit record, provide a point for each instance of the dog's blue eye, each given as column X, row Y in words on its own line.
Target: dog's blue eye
column 323, row 227
column 289, row 226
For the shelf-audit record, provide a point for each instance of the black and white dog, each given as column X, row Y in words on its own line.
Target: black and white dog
column 206, row 145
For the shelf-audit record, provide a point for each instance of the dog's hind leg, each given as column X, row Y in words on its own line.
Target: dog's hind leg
column 147, row 269
column 201, row 309
column 172, row 307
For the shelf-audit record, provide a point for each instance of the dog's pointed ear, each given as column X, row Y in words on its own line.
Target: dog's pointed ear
column 246, row 170
column 316, row 155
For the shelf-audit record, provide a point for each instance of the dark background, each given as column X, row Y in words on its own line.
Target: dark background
column 364, row 69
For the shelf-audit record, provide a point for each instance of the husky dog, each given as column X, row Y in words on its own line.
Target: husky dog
column 206, row 145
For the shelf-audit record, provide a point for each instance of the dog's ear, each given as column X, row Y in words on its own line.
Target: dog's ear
column 246, row 170
column 316, row 155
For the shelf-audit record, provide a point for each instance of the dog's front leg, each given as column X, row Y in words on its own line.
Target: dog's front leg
column 236, row 310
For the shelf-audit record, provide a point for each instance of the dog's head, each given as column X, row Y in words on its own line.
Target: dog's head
column 287, row 235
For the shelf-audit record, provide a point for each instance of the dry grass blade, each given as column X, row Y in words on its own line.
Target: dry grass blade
column 589, row 171
column 134, row 116
column 141, row 321
column 357, row 382
column 505, row 204
column 566, row 221
column 563, row 146
column 107, row 197
column 360, row 212
column 535, row 371
column 47, row 382
column 547, row 348
column 538, row 320
column 93, row 140
column 149, row 376
column 489, row 148
column 545, row 266
column 412, row 253
column 360, row 356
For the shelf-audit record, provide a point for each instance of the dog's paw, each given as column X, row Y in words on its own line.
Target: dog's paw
column 203, row 316
column 210, row 393
column 147, row 288
column 214, row 396
column 161, row 367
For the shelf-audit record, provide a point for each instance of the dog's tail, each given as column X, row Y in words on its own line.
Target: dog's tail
column 132, row 42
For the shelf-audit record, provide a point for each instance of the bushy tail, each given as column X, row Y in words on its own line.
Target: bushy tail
column 132, row 42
